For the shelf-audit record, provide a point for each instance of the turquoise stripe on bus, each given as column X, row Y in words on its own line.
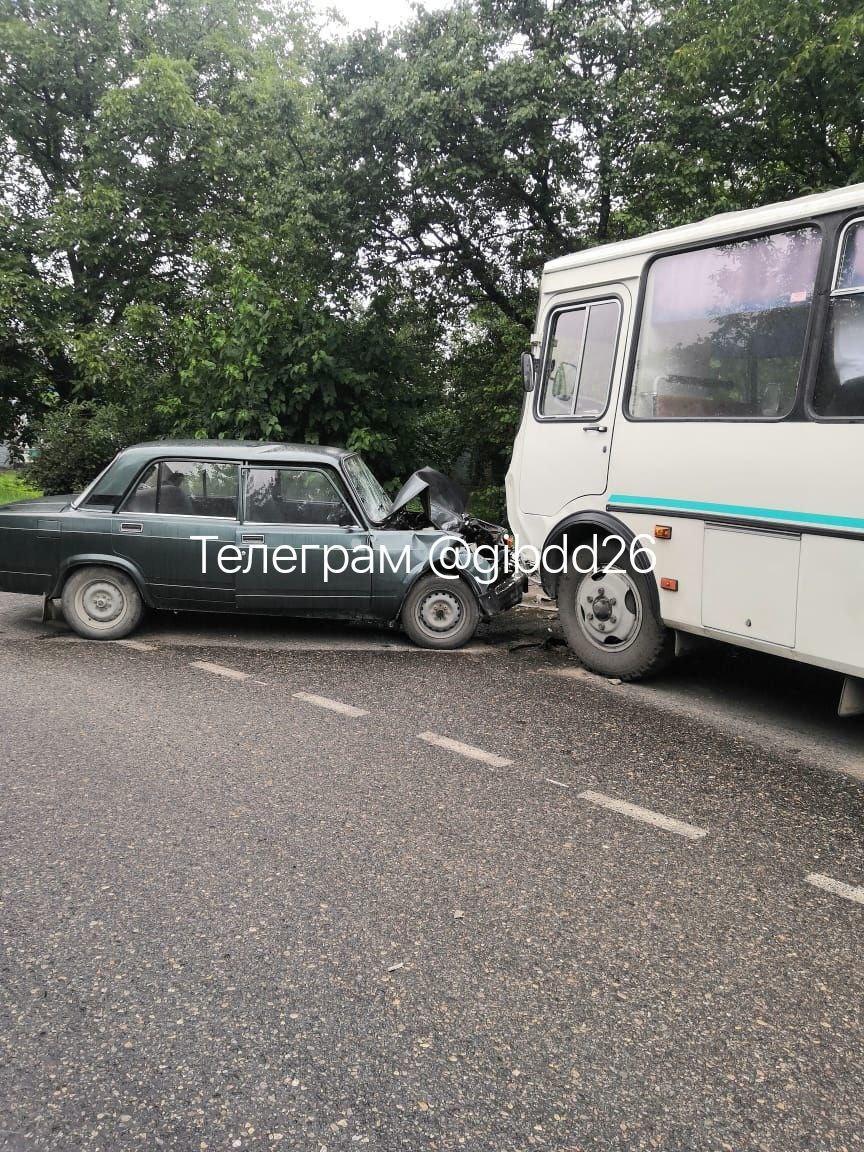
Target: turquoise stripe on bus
column 783, row 515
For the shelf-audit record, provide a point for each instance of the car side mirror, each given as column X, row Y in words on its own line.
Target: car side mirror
column 528, row 371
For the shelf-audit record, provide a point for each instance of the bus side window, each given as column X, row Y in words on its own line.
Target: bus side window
column 581, row 355
column 723, row 329
column 839, row 388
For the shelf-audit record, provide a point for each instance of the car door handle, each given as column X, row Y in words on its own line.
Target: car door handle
column 595, row 428
column 128, row 526
column 252, row 538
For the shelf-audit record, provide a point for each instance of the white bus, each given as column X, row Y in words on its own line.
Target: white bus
column 701, row 390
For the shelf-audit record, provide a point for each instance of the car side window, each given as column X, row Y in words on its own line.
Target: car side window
column 579, row 361
column 839, row 391
column 187, row 488
column 294, row 496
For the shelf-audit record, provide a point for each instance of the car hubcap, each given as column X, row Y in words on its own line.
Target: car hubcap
column 609, row 610
column 102, row 602
column 440, row 611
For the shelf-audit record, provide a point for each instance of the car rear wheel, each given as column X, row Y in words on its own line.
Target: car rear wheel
column 101, row 603
column 610, row 621
column 440, row 613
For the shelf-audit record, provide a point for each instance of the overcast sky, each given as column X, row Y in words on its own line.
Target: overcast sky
column 385, row 13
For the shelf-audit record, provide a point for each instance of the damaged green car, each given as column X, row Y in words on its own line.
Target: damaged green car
column 235, row 526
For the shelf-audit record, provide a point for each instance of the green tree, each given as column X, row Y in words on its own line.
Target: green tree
column 218, row 224
column 767, row 97
column 483, row 140
column 77, row 440
column 276, row 360
column 124, row 145
column 473, row 145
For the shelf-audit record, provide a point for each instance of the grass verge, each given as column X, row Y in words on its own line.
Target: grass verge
column 12, row 487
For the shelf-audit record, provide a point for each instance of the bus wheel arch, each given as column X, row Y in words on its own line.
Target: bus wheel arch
column 581, row 528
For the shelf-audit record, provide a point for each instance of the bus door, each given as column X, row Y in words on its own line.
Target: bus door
column 568, row 435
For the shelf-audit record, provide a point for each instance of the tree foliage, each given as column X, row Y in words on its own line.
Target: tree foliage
column 285, row 365
column 219, row 223
column 126, row 151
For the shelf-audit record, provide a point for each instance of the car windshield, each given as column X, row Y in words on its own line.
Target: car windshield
column 374, row 499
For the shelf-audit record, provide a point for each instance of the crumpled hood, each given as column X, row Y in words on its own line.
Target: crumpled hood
column 444, row 502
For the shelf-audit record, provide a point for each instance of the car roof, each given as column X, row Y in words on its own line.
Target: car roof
column 239, row 450
column 128, row 464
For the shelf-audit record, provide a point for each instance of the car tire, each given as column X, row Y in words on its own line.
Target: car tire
column 625, row 639
column 440, row 613
column 101, row 603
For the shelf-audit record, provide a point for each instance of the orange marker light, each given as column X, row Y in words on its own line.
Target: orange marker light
column 668, row 583
column 662, row 532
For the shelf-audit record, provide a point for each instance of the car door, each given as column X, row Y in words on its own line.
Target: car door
column 172, row 527
column 302, row 549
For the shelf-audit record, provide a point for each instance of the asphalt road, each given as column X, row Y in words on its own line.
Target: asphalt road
column 237, row 917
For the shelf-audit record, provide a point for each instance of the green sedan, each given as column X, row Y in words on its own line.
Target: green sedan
column 236, row 526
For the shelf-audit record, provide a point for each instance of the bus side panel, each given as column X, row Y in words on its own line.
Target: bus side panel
column 764, row 472
column 830, row 601
column 781, row 477
column 750, row 583
column 679, row 558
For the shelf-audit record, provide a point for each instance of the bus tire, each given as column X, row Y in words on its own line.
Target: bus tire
column 610, row 621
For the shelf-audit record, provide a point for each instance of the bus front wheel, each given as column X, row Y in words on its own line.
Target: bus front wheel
column 610, row 621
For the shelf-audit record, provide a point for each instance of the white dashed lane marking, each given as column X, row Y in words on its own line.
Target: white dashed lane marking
column 220, row 670
column 852, row 892
column 655, row 819
column 467, row 750
column 330, row 705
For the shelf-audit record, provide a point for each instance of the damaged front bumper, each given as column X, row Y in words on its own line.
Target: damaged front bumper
column 506, row 594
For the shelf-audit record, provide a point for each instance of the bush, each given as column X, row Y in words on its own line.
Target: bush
column 75, row 442
column 489, row 504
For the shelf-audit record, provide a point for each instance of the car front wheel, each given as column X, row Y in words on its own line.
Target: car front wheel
column 440, row 613
column 101, row 603
column 610, row 621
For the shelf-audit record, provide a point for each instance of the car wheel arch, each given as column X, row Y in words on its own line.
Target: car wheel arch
column 97, row 560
